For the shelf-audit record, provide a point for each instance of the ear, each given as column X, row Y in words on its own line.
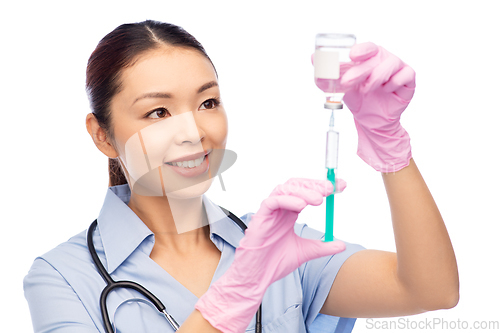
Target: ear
column 99, row 136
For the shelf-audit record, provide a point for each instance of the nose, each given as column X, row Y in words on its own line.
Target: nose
column 187, row 130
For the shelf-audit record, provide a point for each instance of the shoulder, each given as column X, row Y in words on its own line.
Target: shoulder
column 246, row 218
column 68, row 263
column 73, row 252
column 63, row 286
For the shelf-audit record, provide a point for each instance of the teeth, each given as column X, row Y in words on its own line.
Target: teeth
column 199, row 161
column 189, row 164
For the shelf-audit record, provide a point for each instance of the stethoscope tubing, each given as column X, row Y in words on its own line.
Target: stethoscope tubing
column 112, row 284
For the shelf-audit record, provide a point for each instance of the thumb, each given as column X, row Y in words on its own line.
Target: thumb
column 312, row 249
column 340, row 185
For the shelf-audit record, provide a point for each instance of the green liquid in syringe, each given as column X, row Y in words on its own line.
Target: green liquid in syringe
column 330, row 208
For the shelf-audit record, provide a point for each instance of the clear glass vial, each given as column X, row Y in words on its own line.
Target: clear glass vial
column 331, row 61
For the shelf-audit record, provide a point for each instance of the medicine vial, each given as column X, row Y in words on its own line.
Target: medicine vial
column 331, row 61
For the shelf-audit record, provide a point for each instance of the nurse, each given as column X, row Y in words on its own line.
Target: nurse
column 157, row 114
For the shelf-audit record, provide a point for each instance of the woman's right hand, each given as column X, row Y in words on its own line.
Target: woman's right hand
column 269, row 251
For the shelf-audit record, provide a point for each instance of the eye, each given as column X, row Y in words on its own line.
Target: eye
column 158, row 113
column 211, row 103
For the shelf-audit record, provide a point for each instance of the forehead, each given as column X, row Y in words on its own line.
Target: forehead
column 167, row 69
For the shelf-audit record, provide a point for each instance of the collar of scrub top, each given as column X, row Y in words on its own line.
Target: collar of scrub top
column 122, row 231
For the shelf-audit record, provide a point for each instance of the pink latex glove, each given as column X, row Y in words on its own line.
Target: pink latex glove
column 379, row 87
column 269, row 251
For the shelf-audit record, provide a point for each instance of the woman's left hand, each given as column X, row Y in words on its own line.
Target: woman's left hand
column 379, row 87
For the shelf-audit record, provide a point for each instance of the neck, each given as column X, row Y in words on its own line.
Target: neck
column 179, row 225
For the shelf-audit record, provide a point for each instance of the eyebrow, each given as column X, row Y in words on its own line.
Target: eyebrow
column 204, row 87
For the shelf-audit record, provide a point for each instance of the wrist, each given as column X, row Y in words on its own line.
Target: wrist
column 229, row 305
column 232, row 300
column 386, row 152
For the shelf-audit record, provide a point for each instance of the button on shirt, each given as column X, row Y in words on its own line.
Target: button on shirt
column 63, row 286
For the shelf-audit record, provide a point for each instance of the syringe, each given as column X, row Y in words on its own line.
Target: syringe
column 332, row 150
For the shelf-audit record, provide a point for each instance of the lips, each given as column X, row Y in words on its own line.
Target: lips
column 190, row 157
column 193, row 169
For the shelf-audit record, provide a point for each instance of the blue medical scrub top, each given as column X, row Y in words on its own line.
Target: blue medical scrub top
column 63, row 286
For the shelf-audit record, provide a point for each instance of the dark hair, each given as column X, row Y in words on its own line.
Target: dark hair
column 116, row 51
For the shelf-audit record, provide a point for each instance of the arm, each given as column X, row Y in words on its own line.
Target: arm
column 382, row 284
column 423, row 274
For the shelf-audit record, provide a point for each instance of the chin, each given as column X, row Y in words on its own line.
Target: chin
column 190, row 192
column 153, row 184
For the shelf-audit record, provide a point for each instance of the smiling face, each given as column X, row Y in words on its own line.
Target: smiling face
column 169, row 126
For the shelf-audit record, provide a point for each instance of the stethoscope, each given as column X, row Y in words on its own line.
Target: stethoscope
column 112, row 284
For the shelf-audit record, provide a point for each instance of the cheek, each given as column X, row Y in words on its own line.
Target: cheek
column 216, row 128
column 122, row 135
column 123, row 129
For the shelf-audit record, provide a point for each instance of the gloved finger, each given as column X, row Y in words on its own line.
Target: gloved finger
column 310, row 196
column 287, row 202
column 312, row 249
column 340, row 185
column 405, row 77
column 363, row 51
column 405, row 93
column 358, row 73
column 323, row 187
column 382, row 73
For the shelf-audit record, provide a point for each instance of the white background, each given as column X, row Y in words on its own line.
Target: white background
column 54, row 179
